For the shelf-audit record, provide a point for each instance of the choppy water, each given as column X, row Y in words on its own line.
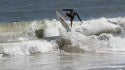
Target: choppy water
column 39, row 42
column 22, row 10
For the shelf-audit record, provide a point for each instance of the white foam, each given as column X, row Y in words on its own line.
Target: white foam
column 118, row 44
column 27, row 47
column 87, row 43
column 79, row 36
column 53, row 28
column 92, row 27
column 89, row 27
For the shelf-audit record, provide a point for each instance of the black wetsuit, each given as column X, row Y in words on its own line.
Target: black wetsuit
column 71, row 14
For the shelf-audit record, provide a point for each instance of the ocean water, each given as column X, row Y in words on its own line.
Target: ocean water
column 32, row 38
column 24, row 10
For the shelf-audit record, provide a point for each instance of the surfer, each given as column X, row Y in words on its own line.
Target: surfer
column 71, row 14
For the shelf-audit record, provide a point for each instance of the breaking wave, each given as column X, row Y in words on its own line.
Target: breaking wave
column 44, row 36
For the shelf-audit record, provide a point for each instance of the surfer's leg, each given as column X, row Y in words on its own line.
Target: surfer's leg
column 71, row 22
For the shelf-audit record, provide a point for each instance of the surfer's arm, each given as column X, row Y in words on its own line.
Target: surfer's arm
column 67, row 10
column 78, row 17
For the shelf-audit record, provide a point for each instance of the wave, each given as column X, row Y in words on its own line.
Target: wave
column 98, row 35
column 53, row 28
column 26, row 47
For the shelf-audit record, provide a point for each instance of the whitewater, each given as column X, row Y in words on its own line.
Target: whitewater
column 95, row 44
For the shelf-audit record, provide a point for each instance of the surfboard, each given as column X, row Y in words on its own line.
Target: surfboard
column 62, row 21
